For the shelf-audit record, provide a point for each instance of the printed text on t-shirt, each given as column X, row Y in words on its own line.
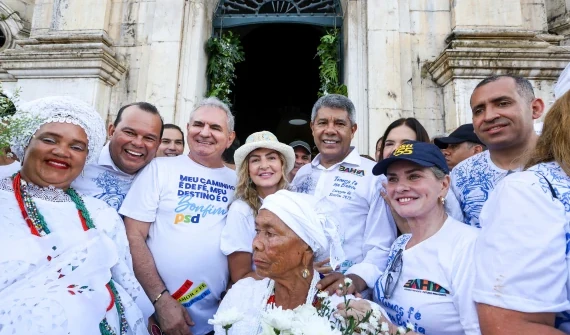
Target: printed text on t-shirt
column 191, row 189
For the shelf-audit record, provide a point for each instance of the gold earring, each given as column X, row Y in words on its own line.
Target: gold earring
column 442, row 200
column 306, row 273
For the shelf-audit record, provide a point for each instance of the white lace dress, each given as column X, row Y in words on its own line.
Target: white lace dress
column 56, row 284
column 250, row 297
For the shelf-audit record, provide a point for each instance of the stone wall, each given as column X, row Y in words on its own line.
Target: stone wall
column 401, row 57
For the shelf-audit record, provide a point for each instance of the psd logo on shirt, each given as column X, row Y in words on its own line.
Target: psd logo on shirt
column 425, row 286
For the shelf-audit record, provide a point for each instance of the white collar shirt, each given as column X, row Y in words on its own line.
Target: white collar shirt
column 368, row 232
column 104, row 180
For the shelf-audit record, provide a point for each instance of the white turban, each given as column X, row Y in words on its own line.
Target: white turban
column 64, row 110
column 313, row 220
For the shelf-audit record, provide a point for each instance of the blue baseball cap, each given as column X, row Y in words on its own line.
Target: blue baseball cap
column 421, row 153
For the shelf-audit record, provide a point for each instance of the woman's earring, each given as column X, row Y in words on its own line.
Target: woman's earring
column 306, row 273
column 442, row 200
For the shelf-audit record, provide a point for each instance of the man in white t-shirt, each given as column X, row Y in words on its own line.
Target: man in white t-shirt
column 339, row 173
column 504, row 109
column 174, row 215
column 134, row 138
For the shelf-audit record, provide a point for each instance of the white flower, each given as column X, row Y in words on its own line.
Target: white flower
column 410, row 326
column 376, row 312
column 384, row 327
column 278, row 318
column 316, row 326
column 323, row 295
column 226, row 318
column 402, row 330
column 305, row 311
column 347, row 281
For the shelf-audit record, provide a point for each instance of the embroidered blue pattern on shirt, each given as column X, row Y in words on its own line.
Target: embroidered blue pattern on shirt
column 307, row 184
column 560, row 182
column 473, row 180
column 114, row 189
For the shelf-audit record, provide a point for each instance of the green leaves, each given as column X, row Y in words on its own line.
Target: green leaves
column 328, row 52
column 224, row 53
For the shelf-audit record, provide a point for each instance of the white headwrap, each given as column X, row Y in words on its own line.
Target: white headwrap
column 64, row 110
column 313, row 220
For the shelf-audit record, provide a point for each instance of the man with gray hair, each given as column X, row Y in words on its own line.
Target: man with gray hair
column 174, row 215
column 339, row 173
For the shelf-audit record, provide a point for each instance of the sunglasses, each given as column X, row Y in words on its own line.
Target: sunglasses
column 396, row 269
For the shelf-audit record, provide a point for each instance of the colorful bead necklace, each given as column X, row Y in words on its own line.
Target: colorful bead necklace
column 38, row 227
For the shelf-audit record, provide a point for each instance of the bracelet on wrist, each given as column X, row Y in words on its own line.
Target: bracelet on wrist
column 159, row 296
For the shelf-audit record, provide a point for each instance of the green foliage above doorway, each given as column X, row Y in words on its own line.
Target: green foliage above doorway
column 224, row 52
column 328, row 52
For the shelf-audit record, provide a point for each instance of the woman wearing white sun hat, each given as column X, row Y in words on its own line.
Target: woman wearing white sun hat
column 262, row 166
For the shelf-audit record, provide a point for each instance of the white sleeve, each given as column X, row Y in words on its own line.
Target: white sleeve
column 520, row 256
column 463, row 280
column 452, row 206
column 143, row 198
column 455, row 193
column 379, row 234
column 238, row 233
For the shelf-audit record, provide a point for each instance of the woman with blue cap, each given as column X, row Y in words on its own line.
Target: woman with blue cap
column 428, row 279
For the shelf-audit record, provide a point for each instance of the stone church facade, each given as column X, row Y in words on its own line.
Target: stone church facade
column 400, row 58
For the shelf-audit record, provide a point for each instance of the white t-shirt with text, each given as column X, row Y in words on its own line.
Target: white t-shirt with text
column 187, row 205
column 524, row 247
column 433, row 292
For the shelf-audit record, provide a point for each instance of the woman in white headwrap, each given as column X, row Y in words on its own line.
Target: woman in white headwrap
column 293, row 231
column 65, row 266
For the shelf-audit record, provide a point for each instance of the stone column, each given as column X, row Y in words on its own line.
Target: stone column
column 494, row 37
column 355, row 68
column 69, row 52
column 558, row 18
column 192, row 76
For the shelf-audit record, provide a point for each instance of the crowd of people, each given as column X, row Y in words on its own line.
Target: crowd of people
column 113, row 230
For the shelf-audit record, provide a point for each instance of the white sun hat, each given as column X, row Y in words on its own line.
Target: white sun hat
column 265, row 139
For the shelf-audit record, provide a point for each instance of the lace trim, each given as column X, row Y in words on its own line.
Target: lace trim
column 49, row 193
column 62, row 110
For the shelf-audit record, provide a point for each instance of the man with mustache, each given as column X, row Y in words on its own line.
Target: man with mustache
column 339, row 173
column 504, row 109
column 134, row 138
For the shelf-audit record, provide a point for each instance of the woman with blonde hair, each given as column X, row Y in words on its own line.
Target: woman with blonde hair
column 522, row 262
column 262, row 165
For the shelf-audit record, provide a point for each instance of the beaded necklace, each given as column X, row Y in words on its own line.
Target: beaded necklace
column 38, row 227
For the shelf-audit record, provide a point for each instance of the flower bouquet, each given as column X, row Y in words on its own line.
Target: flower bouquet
column 320, row 320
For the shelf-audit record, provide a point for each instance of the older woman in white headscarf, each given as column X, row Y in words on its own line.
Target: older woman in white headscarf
column 65, row 266
column 293, row 231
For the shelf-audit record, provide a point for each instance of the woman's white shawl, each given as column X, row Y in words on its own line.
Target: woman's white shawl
column 56, row 284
